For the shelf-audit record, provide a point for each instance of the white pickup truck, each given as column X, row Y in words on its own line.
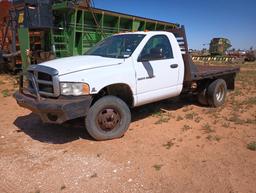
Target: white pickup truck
column 121, row 72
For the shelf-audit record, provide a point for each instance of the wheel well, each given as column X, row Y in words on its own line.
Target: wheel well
column 121, row 91
column 229, row 79
column 202, row 84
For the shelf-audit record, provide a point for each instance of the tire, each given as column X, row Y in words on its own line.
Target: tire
column 108, row 118
column 202, row 98
column 217, row 92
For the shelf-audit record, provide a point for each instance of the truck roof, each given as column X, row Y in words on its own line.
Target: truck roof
column 145, row 32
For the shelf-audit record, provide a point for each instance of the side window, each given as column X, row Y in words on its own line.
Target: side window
column 157, row 48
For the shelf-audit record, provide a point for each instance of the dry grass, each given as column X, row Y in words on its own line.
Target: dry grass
column 207, row 128
column 179, row 118
column 213, row 138
column 6, row 93
column 157, row 167
column 252, row 146
column 186, row 128
column 168, row 145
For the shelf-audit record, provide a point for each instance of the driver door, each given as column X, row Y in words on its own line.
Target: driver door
column 157, row 70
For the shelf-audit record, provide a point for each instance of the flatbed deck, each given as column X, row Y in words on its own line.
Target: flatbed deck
column 206, row 71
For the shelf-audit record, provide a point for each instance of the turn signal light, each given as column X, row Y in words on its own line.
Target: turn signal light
column 86, row 89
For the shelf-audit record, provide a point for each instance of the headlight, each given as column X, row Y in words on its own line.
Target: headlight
column 75, row 89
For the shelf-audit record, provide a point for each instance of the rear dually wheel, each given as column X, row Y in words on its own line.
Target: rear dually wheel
column 216, row 93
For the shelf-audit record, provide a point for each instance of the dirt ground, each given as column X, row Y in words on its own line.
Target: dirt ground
column 174, row 146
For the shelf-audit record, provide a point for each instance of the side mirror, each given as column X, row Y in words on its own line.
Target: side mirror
column 144, row 58
column 156, row 53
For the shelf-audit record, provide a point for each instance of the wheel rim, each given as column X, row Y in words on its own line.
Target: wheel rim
column 220, row 93
column 108, row 119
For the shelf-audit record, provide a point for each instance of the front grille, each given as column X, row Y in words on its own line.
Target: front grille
column 45, row 88
column 44, row 76
column 46, row 81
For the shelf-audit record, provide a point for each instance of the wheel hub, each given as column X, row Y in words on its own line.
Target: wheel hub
column 220, row 93
column 108, row 119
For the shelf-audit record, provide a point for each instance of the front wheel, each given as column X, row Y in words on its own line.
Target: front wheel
column 108, row 118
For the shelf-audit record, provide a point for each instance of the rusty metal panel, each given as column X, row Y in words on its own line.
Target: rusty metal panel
column 5, row 34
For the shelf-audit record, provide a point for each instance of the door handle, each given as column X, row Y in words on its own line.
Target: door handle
column 174, row 65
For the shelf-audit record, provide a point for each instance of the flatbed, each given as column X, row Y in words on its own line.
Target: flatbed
column 206, row 71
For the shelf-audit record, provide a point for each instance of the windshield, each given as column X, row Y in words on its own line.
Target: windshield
column 118, row 46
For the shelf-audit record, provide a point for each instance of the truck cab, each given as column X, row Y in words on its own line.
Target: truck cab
column 121, row 72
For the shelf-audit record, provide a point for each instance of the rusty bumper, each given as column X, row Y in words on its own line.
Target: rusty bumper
column 55, row 110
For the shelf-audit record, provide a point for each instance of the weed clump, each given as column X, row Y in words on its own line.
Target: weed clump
column 207, row 128
column 186, row 127
column 157, row 167
column 213, row 138
column 252, row 146
column 5, row 93
column 179, row 118
column 168, row 145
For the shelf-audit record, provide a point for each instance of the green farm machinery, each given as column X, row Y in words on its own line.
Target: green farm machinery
column 217, row 52
column 219, row 46
column 49, row 29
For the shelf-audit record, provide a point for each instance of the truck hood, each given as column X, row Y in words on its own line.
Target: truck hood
column 78, row 63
